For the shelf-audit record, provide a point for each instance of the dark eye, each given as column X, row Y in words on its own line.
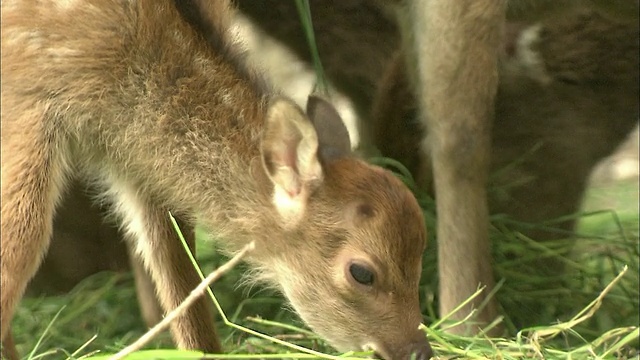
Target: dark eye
column 361, row 274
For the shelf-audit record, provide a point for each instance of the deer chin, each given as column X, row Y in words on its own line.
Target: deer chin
column 324, row 323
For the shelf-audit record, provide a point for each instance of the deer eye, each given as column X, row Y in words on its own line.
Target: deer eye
column 361, row 274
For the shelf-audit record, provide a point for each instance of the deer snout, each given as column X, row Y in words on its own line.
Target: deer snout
column 418, row 349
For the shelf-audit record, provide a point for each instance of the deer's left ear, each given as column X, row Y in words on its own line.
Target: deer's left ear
column 289, row 155
column 333, row 137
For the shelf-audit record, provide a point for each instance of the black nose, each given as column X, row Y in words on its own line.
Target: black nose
column 420, row 351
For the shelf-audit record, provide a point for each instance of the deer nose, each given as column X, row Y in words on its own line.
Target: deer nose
column 420, row 350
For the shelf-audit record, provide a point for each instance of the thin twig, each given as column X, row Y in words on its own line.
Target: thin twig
column 188, row 301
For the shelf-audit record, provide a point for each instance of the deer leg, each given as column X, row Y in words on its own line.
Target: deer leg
column 9, row 350
column 145, row 289
column 33, row 177
column 456, row 50
column 155, row 243
column 150, row 308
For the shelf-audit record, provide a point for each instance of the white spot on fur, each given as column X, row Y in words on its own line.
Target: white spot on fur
column 530, row 60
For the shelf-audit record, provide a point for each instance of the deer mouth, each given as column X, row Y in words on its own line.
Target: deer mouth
column 416, row 351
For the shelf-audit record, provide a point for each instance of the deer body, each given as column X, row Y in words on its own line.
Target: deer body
column 152, row 102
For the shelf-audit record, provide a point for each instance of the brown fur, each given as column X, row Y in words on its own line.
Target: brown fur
column 162, row 114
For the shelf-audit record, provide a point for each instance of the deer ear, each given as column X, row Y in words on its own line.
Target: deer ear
column 333, row 137
column 289, row 155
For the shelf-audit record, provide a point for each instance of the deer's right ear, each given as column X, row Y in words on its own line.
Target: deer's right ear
column 289, row 155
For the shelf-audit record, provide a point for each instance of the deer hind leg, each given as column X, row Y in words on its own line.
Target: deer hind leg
column 33, row 178
column 456, row 46
column 9, row 351
column 154, row 243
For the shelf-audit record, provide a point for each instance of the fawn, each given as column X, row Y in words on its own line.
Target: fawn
column 152, row 102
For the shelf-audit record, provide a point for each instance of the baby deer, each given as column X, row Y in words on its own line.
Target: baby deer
column 152, row 101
